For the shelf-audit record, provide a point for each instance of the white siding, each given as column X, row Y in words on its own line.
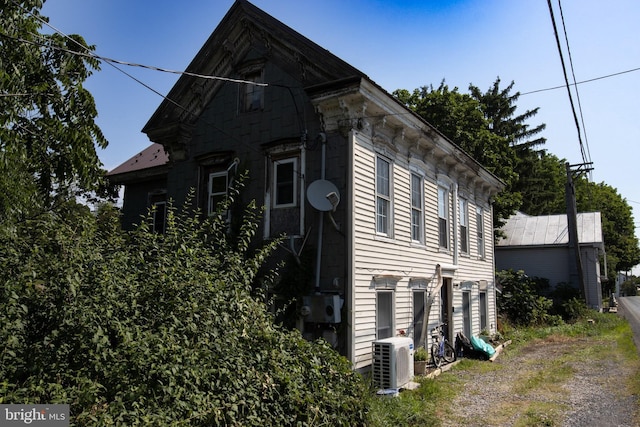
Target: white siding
column 398, row 257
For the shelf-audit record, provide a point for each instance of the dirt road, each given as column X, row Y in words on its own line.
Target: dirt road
column 554, row 382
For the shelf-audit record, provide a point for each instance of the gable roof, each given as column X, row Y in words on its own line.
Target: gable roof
column 551, row 230
column 245, row 28
column 151, row 161
column 248, row 36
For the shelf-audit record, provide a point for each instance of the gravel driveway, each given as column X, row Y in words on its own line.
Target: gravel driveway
column 555, row 382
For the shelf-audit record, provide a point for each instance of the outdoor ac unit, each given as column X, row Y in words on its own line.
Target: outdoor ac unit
column 322, row 308
column 392, row 366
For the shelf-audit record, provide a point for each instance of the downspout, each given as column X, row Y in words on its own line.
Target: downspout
column 321, row 220
column 455, row 223
column 303, row 170
column 494, row 324
column 350, row 291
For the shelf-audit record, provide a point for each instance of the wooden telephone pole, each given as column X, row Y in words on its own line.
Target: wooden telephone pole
column 572, row 222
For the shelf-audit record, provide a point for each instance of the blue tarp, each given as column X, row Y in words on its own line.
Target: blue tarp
column 479, row 344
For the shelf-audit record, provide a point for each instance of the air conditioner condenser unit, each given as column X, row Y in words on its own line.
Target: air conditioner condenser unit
column 392, row 365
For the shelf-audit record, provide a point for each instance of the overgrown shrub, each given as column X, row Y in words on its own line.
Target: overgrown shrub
column 158, row 329
column 629, row 288
column 567, row 302
column 520, row 303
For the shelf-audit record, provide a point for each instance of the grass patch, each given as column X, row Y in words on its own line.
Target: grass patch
column 606, row 338
column 418, row 407
column 547, row 378
column 540, row 414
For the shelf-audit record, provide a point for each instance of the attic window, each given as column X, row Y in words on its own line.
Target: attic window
column 252, row 95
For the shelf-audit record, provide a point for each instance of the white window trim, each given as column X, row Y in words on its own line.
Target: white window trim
column 480, row 233
column 424, row 294
column 463, row 206
column 210, row 194
column 391, row 314
column 389, row 199
column 274, row 183
column 445, row 200
column 484, row 306
column 419, row 209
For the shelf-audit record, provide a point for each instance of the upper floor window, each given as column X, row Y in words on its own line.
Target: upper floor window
column 252, row 95
column 217, row 188
column 464, row 226
column 417, row 208
column 158, row 202
column 383, row 196
column 215, row 177
column 480, row 231
column 443, row 217
column 285, row 172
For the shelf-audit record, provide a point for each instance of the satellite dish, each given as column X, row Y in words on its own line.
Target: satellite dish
column 323, row 195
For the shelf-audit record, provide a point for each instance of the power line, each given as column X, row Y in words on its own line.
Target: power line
column 586, row 155
column 111, row 62
column 581, row 82
column 566, row 78
column 130, row 64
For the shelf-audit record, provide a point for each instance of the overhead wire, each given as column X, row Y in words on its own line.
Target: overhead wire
column 564, row 71
column 112, row 63
column 586, row 155
column 581, row 82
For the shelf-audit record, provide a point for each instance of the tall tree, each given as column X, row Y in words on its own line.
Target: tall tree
column 541, row 182
column 460, row 117
column 48, row 135
column 618, row 229
column 499, row 108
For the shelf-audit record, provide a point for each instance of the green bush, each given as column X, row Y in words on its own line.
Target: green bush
column 629, row 288
column 520, row 303
column 158, row 329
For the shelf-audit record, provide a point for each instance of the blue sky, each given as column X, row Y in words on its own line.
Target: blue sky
column 398, row 44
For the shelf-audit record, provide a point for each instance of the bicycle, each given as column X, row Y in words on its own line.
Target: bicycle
column 441, row 350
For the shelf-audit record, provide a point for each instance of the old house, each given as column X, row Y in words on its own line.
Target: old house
column 385, row 207
column 539, row 245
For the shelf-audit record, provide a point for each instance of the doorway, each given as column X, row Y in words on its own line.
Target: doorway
column 446, row 306
column 466, row 313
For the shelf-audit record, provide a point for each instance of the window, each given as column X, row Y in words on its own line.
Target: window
column 464, row 226
column 417, row 208
column 384, row 314
column 252, row 95
column 284, row 190
column 285, row 182
column 383, row 197
column 216, row 190
column 480, row 231
column 418, row 317
column 158, row 202
column 443, row 217
column 483, row 310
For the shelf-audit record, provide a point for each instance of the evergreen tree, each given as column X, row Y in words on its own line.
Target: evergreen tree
column 499, row 107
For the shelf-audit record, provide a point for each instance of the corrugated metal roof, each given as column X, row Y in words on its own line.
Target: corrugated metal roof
column 525, row 230
column 152, row 156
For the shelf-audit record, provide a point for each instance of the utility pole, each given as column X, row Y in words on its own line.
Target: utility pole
column 572, row 223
